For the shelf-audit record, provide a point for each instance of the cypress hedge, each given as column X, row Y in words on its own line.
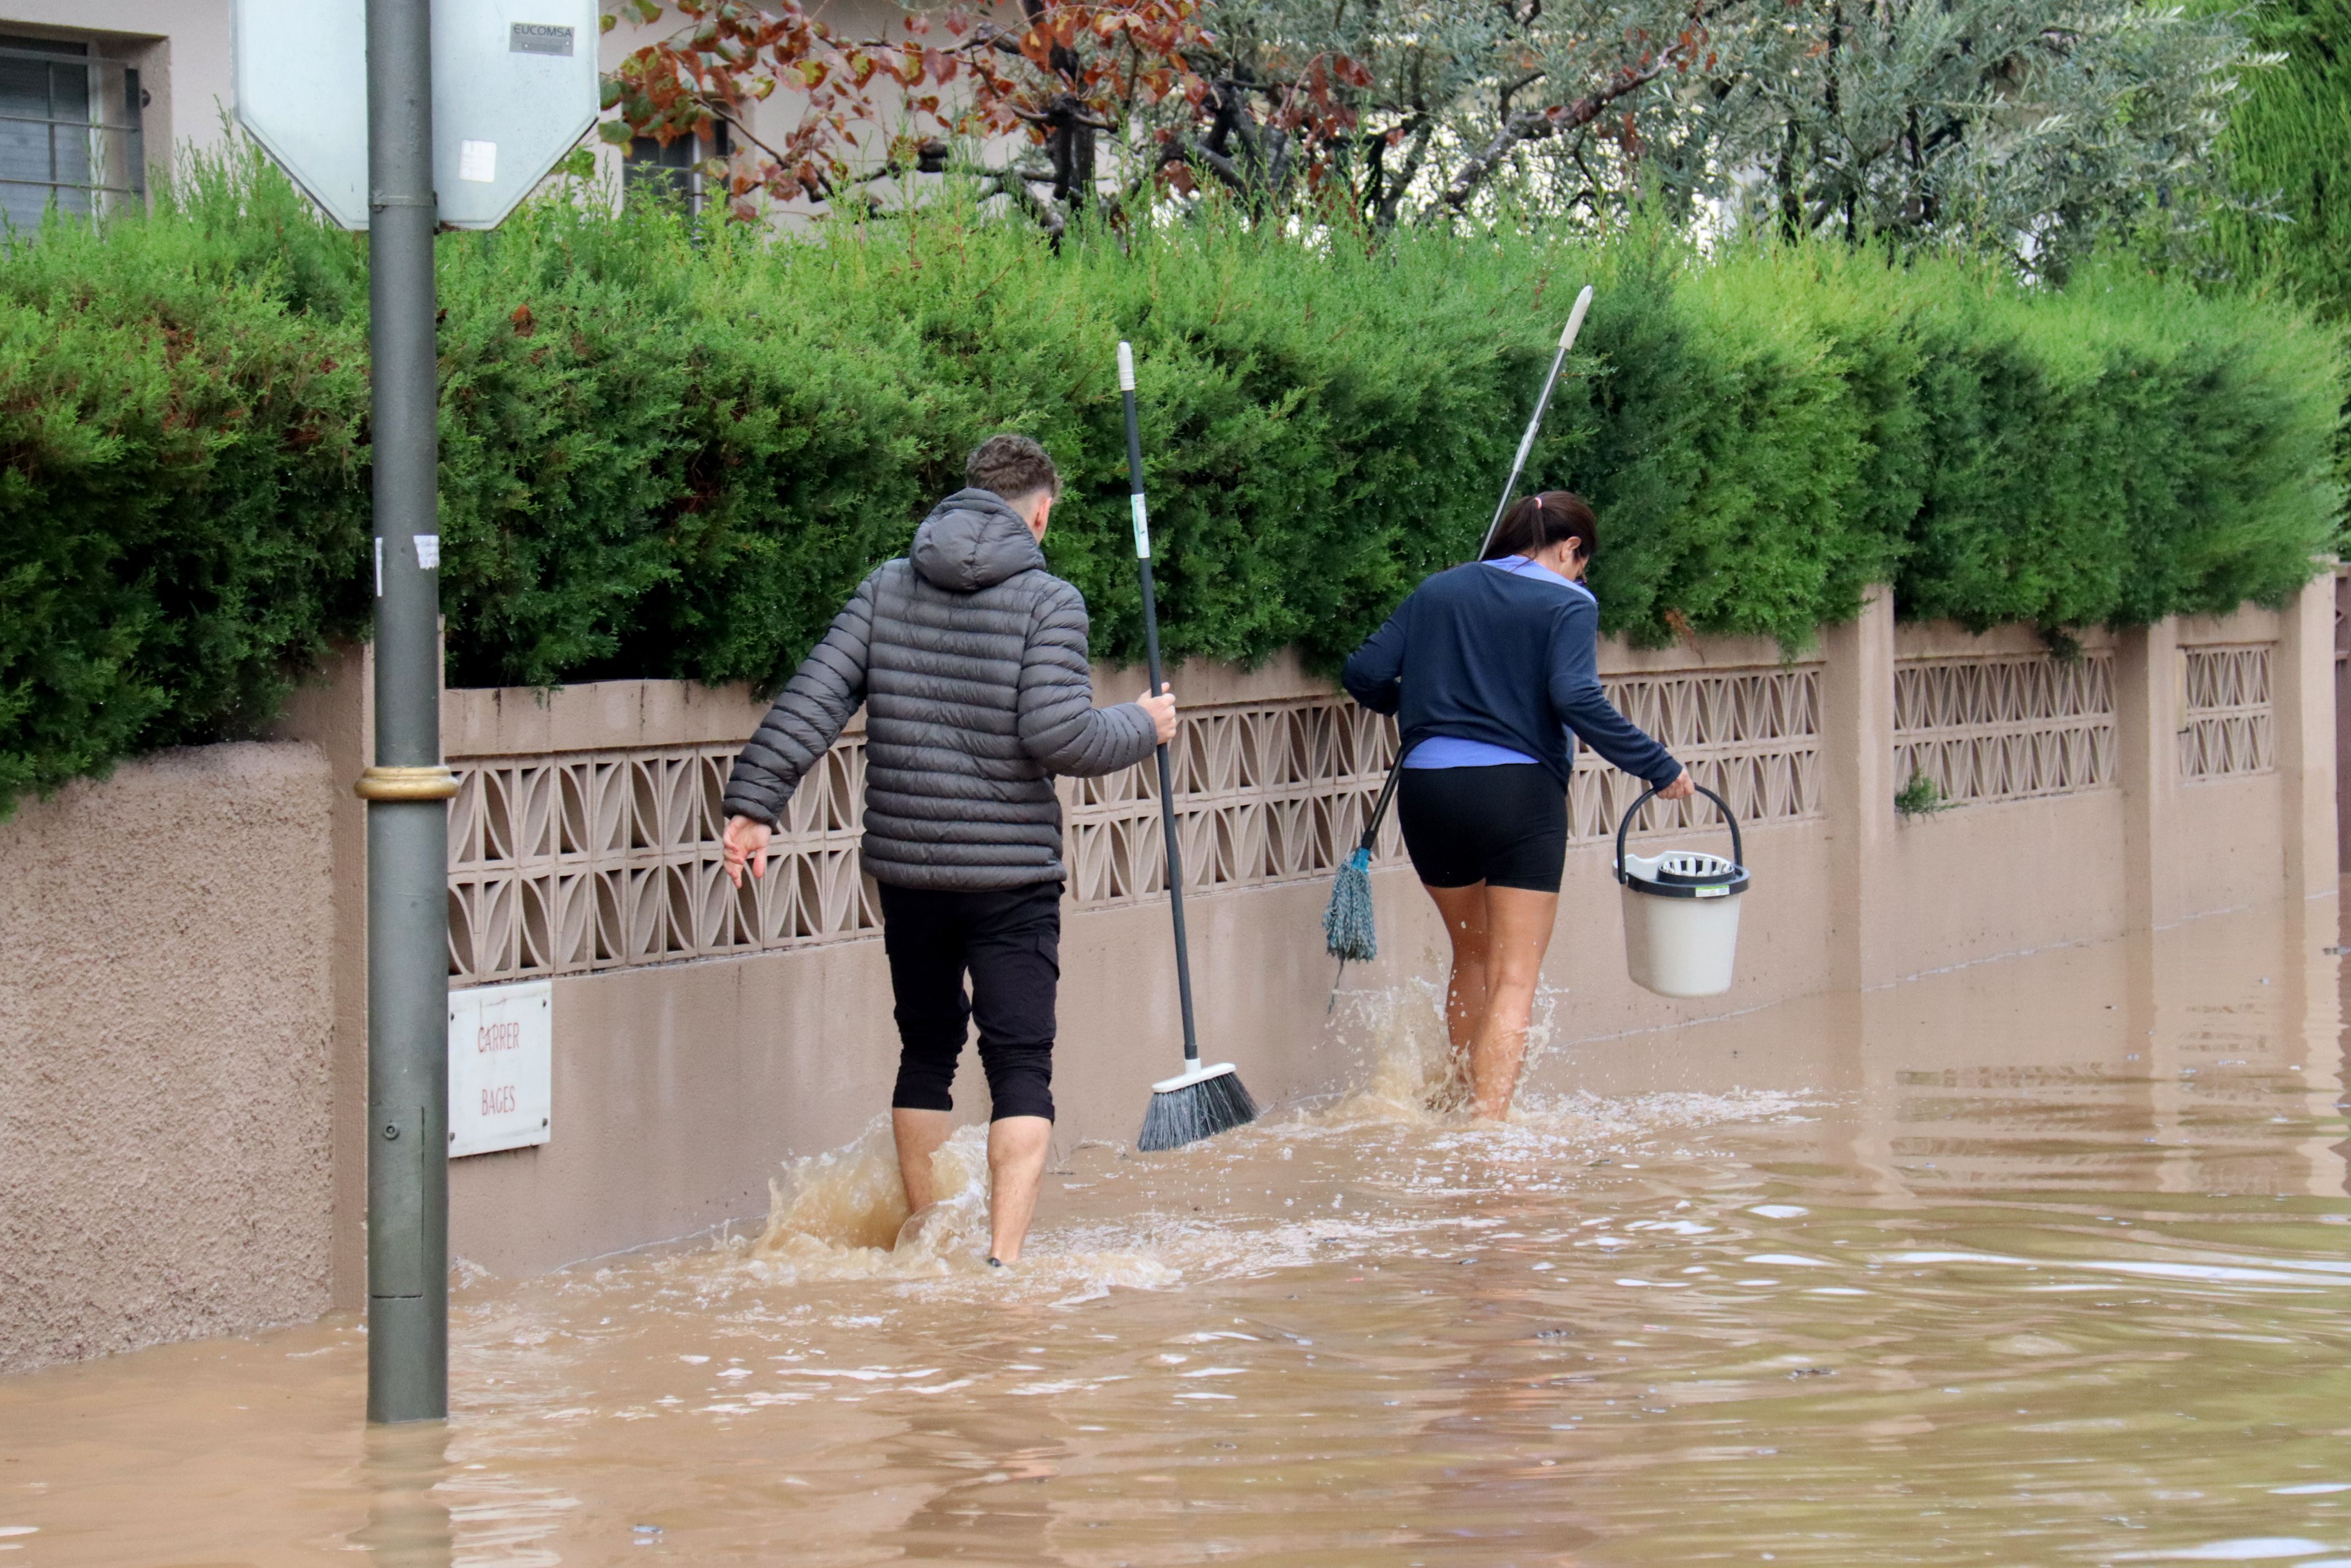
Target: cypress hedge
column 671, row 451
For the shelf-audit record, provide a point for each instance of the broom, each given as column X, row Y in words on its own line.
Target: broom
column 1199, row 1102
column 1347, row 932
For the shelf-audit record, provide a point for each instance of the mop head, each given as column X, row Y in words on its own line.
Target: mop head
column 1196, row 1104
column 1347, row 922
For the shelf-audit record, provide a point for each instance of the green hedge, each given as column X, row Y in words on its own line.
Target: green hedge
column 182, row 501
column 671, row 453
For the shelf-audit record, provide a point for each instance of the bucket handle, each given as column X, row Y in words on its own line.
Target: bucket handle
column 1737, row 853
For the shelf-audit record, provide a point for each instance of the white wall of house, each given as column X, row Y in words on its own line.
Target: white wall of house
column 178, row 48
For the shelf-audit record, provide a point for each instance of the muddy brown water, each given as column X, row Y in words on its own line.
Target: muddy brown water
column 2042, row 1260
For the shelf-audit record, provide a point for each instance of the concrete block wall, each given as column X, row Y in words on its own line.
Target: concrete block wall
column 166, row 982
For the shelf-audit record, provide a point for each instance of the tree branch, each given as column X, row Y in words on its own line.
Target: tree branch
column 1511, row 90
column 1423, row 135
column 1013, row 183
column 1537, row 125
column 1208, row 158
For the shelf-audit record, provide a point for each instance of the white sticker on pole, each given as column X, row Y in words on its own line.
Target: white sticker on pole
column 501, row 1067
column 1142, row 527
column 428, row 551
column 379, row 566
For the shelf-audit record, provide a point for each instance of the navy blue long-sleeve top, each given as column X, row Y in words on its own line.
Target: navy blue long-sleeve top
column 1510, row 659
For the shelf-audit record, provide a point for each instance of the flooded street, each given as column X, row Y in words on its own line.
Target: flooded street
column 2042, row 1260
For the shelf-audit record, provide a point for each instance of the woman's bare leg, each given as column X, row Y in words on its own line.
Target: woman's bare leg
column 1519, row 927
column 1464, row 912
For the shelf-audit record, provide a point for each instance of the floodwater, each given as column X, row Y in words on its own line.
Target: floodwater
column 2045, row 1260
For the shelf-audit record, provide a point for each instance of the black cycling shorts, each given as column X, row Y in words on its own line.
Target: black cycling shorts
column 1505, row 826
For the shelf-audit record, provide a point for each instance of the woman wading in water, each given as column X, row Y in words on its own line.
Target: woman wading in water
column 1492, row 672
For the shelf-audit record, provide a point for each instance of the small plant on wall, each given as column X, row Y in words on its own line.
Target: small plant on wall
column 1920, row 797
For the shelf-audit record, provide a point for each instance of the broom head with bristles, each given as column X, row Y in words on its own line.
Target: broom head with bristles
column 1199, row 1102
column 1347, row 924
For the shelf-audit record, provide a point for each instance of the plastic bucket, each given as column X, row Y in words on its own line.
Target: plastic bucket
column 1681, row 910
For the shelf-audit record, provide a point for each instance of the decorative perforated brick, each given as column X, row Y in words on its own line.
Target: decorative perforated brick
column 2005, row 728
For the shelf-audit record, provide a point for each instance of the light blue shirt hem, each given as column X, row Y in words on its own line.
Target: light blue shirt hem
column 1452, row 751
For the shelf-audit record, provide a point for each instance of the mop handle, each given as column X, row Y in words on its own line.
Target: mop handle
column 1387, row 793
column 1534, row 423
column 1151, row 654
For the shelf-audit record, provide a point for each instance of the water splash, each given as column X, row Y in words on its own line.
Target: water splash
column 1412, row 1074
column 842, row 1214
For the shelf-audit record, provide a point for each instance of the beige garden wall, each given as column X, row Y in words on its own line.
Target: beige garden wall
column 195, row 1164
column 685, row 1076
column 164, row 1002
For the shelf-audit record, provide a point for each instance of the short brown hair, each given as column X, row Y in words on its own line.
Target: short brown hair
column 1538, row 522
column 1012, row 466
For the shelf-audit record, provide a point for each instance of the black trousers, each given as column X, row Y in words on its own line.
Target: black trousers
column 1009, row 942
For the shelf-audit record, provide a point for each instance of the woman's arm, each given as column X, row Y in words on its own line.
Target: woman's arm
column 1374, row 672
column 1583, row 707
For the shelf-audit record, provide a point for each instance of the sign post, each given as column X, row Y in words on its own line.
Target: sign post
column 408, row 788
column 342, row 93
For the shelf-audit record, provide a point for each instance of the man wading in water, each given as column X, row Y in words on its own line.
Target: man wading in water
column 971, row 659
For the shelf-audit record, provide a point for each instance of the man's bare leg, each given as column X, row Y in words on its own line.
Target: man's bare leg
column 1017, row 1146
column 920, row 1135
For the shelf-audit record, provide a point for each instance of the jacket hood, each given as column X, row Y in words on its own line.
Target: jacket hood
column 973, row 541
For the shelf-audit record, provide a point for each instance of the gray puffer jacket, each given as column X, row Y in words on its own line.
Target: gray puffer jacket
column 971, row 658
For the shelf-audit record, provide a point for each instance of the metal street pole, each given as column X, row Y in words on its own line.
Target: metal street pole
column 407, row 789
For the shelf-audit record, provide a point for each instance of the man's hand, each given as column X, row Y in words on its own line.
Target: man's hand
column 1681, row 789
column 746, row 841
column 1162, row 709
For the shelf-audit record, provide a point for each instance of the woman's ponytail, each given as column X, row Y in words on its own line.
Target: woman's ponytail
column 1540, row 521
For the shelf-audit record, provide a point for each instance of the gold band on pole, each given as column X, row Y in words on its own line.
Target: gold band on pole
column 435, row 783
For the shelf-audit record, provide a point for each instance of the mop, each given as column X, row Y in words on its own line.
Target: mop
column 1199, row 1102
column 1347, row 929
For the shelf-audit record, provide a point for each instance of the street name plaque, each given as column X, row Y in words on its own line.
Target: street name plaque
column 501, row 1067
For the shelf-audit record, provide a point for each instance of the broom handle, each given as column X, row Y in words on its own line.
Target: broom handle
column 1151, row 654
column 1534, row 422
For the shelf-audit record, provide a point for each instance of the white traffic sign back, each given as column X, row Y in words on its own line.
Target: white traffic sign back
column 513, row 89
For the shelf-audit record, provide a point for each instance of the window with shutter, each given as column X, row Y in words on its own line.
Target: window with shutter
column 69, row 130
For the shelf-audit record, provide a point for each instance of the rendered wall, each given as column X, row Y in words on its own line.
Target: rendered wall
column 164, row 999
